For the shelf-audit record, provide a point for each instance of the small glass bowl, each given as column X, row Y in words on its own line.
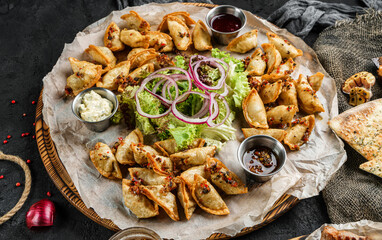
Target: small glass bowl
column 98, row 126
column 225, row 37
column 262, row 141
column 136, row 233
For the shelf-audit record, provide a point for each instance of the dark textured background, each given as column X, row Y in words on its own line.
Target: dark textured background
column 33, row 34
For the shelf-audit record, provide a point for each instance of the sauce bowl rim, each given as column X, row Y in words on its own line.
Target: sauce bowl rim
column 225, row 6
column 280, row 162
column 80, row 96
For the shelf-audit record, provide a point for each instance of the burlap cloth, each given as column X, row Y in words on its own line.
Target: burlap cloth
column 345, row 49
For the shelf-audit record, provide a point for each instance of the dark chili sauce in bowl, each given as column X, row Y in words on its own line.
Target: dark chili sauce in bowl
column 260, row 160
column 226, row 22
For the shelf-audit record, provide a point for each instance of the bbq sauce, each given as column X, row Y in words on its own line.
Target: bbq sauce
column 260, row 160
column 226, row 23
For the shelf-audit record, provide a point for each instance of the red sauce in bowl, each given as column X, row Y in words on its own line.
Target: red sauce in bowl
column 225, row 23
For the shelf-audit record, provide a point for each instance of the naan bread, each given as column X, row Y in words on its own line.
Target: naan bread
column 361, row 128
column 373, row 167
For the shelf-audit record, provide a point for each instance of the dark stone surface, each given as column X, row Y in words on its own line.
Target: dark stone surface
column 33, row 34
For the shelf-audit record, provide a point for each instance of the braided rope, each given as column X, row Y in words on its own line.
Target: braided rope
column 28, row 183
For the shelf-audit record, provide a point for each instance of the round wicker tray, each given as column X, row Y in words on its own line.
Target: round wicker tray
column 63, row 182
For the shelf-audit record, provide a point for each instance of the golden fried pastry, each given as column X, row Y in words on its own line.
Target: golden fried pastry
column 243, row 43
column 179, row 32
column 124, row 154
column 186, row 200
column 224, row 178
column 201, row 37
column 286, row 49
column 192, row 157
column 85, row 76
column 115, row 76
column 160, row 41
column 272, row 55
column 134, row 39
column 257, row 64
column 164, row 198
column 138, row 203
column 111, row 38
column 269, row 92
column 105, row 162
column 207, row 197
column 254, row 111
column 136, row 22
column 299, row 134
column 282, row 114
column 102, row 55
column 307, row 98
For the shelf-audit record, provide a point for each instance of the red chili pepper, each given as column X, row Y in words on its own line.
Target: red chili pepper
column 27, row 134
column 9, row 136
column 48, row 194
column 13, row 101
column 24, row 114
column 28, row 161
column 2, row 176
column 5, row 142
column 18, row 184
column 34, row 124
column 23, row 135
column 33, row 102
column 33, row 136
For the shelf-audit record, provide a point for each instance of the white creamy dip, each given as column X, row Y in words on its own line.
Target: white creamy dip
column 94, row 108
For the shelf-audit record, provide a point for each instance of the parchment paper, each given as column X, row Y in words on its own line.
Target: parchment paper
column 373, row 230
column 304, row 175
